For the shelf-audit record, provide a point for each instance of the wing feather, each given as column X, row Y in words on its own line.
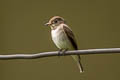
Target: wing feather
column 71, row 36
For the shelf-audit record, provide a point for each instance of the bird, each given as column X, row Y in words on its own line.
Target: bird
column 63, row 37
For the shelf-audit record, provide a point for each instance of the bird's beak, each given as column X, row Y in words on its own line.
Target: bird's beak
column 47, row 24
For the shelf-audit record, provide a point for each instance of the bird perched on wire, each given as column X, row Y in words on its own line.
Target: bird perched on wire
column 63, row 37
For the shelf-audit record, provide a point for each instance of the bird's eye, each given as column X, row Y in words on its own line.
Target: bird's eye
column 55, row 21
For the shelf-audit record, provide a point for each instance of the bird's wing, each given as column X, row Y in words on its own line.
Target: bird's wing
column 70, row 35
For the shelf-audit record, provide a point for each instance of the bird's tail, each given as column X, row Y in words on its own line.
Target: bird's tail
column 78, row 60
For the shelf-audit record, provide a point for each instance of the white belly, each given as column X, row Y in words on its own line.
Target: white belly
column 60, row 39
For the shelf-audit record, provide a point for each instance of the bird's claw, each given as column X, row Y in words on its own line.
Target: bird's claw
column 62, row 52
column 59, row 52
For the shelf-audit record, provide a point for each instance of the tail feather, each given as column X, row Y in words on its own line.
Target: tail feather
column 78, row 60
column 80, row 64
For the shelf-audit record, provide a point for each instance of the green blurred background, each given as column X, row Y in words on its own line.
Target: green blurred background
column 96, row 24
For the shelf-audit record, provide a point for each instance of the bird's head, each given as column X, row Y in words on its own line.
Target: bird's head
column 55, row 21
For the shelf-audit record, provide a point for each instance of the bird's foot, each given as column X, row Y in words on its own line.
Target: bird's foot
column 59, row 52
column 62, row 52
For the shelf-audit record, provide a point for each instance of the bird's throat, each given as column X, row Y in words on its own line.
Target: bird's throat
column 53, row 27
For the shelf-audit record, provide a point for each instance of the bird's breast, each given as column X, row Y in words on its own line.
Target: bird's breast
column 60, row 39
column 57, row 36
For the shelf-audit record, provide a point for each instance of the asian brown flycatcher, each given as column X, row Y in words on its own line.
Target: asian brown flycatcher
column 63, row 37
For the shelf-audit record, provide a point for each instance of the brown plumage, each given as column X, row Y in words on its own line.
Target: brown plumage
column 63, row 37
column 71, row 37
